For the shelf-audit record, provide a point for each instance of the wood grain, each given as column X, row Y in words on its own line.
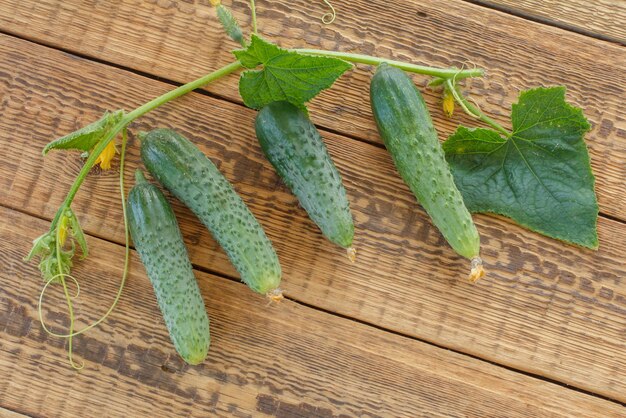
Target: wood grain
column 182, row 40
column 6, row 413
column 546, row 308
column 285, row 360
column 603, row 18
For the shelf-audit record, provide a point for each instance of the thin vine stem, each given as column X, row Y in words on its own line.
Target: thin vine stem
column 445, row 73
column 253, row 8
column 68, row 299
column 181, row 91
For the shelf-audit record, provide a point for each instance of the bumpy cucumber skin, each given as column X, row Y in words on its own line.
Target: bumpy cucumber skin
column 186, row 172
column 408, row 133
column 295, row 148
column 158, row 240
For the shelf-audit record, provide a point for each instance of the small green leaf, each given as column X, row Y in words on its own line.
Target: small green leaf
column 285, row 75
column 42, row 246
column 230, row 24
column 50, row 267
column 540, row 176
column 52, row 260
column 77, row 232
column 86, row 138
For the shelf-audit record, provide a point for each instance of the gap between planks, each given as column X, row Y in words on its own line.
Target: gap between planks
column 189, row 47
column 204, row 92
column 172, row 83
column 129, row 350
column 356, row 320
column 544, row 20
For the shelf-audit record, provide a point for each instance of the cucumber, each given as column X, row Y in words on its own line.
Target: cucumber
column 186, row 172
column 296, row 150
column 160, row 245
column 408, row 133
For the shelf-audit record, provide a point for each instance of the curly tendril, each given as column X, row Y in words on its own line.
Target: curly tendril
column 63, row 276
column 329, row 17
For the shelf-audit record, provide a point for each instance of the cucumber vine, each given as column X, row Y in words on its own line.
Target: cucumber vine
column 257, row 87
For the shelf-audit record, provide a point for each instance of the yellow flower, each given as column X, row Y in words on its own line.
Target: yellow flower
column 215, row 3
column 106, row 156
column 63, row 230
column 448, row 103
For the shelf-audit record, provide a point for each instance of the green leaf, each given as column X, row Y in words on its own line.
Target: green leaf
column 50, row 267
column 540, row 176
column 285, row 75
column 53, row 262
column 44, row 247
column 86, row 138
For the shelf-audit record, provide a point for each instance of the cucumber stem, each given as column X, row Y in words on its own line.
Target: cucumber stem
column 141, row 135
column 139, row 176
column 477, row 271
column 351, row 252
column 275, row 295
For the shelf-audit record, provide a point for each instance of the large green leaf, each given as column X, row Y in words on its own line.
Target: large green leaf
column 540, row 176
column 285, row 75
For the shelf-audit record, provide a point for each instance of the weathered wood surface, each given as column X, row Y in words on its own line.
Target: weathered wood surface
column 287, row 360
column 5, row 413
column 602, row 18
column 546, row 308
column 181, row 40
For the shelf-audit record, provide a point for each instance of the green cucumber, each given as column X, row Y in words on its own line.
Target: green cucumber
column 160, row 245
column 186, row 172
column 296, row 150
column 408, row 133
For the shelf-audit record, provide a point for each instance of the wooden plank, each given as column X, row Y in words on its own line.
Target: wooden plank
column 285, row 360
column 546, row 308
column 182, row 40
column 6, row 413
column 602, row 18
